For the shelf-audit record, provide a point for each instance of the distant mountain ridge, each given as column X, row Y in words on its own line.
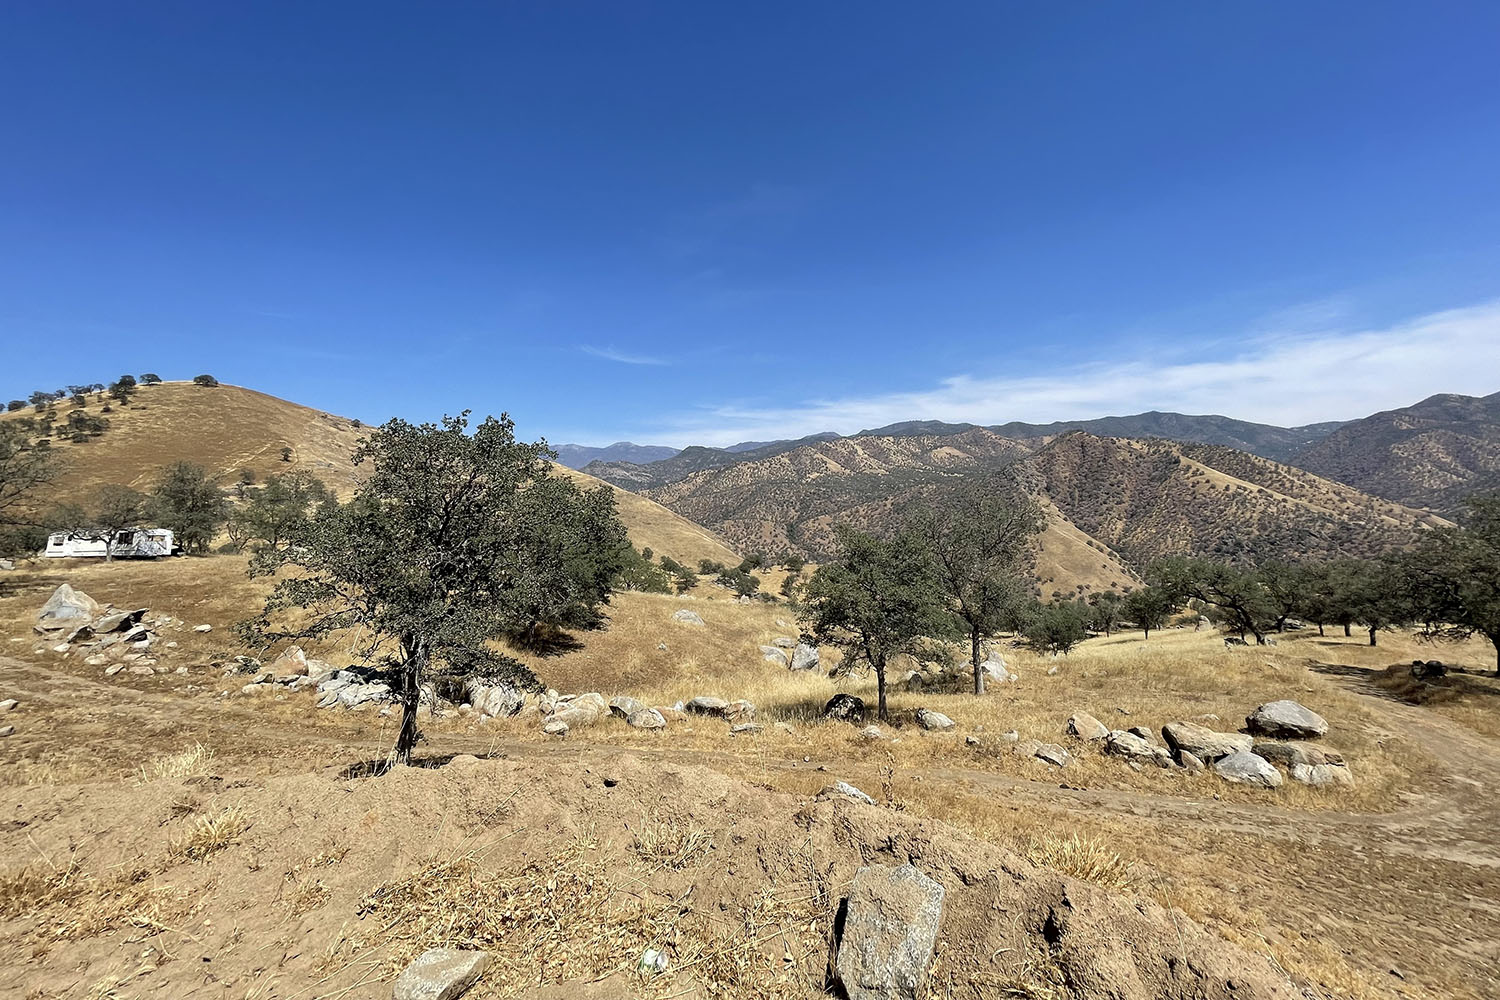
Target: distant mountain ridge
column 1430, row 454
column 576, row 456
column 1266, row 440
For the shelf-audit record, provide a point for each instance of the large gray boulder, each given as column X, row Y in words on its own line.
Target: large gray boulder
column 1244, row 768
column 805, row 657
column 1202, row 742
column 646, row 718
column 1323, row 775
column 1289, row 755
column 1086, row 727
column 67, row 603
column 495, row 697
column 1121, row 743
column 933, row 721
column 891, row 923
column 776, row 655
column 706, row 705
column 623, row 706
column 845, row 708
column 440, row 974
column 1286, row 720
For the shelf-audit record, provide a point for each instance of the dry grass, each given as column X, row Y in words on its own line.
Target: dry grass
column 195, row 760
column 1084, row 858
column 65, row 902
column 671, row 842
column 210, row 834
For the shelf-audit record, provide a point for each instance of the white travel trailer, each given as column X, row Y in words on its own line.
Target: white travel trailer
column 131, row 543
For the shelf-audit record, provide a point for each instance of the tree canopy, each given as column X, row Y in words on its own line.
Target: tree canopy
column 452, row 541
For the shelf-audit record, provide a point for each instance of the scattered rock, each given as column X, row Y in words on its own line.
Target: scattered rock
column 745, row 729
column 930, row 720
column 1190, row 762
column 703, row 705
column 773, row 654
column 646, row 718
column 440, row 974
column 6, row 731
column 785, row 642
column 686, row 617
column 1120, row 743
column 203, row 628
column 804, row 657
column 971, row 741
column 1202, row 742
column 1291, row 754
column 622, row 706
column 1286, row 719
column 891, row 923
column 1429, row 671
column 996, row 672
column 1052, row 754
column 1244, row 768
column 67, row 603
column 1323, row 775
column 291, row 662
column 844, row 790
column 845, row 708
column 555, row 727
column 872, row 733
column 8, row 704
column 1011, row 736
column 740, row 710
column 1086, row 727
column 494, row 696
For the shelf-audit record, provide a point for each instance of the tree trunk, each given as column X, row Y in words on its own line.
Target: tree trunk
column 880, row 684
column 411, row 696
column 1320, row 630
column 1372, row 636
column 978, row 670
column 1347, row 633
column 1145, row 633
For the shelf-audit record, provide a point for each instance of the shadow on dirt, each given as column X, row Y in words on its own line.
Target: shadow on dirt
column 384, row 765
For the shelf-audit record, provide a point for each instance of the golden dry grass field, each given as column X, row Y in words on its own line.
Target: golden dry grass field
column 144, row 826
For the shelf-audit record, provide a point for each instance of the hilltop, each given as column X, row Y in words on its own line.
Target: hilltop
column 1430, row 454
column 229, row 428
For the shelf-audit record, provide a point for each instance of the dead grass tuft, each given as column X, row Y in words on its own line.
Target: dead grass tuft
column 210, row 834
column 1083, row 858
column 671, row 842
column 193, row 761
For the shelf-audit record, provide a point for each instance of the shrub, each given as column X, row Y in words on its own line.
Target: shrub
column 207, row 381
column 641, row 574
column 150, row 379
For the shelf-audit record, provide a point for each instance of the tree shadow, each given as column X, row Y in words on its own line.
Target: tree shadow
column 1397, row 683
column 546, row 641
column 380, row 766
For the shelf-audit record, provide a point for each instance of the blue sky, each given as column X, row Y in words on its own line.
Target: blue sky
column 697, row 223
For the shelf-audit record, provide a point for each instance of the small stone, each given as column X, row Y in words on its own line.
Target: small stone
column 622, row 706
column 555, row 727
column 686, row 617
column 971, row 741
column 203, row 628
column 772, row 654
column 804, row 657
column 646, row 718
column 8, row 704
column 845, row 708
column 704, row 705
column 440, row 974
column 1323, row 775
column 1190, row 763
column 745, row 729
column 844, row 790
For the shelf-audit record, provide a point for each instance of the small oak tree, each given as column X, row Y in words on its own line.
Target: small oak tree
column 452, row 541
column 1454, row 576
column 981, row 537
column 116, row 508
column 876, row 600
column 191, row 504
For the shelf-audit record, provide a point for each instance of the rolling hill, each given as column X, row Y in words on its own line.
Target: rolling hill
column 576, row 456
column 229, row 428
column 1431, row 454
column 1114, row 504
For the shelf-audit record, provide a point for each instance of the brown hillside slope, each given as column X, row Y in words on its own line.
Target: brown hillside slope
column 1111, row 501
column 1431, row 454
column 1148, row 499
column 229, row 428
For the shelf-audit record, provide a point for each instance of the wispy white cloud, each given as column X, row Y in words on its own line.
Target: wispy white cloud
column 1280, row 376
column 610, row 354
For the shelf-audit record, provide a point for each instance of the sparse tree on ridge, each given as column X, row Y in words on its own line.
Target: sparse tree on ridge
column 279, row 510
column 452, row 541
column 981, row 537
column 876, row 600
column 150, row 378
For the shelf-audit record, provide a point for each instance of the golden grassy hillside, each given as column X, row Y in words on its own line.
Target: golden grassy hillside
column 229, row 428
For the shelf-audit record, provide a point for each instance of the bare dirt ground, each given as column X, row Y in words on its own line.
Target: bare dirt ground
column 1390, row 892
